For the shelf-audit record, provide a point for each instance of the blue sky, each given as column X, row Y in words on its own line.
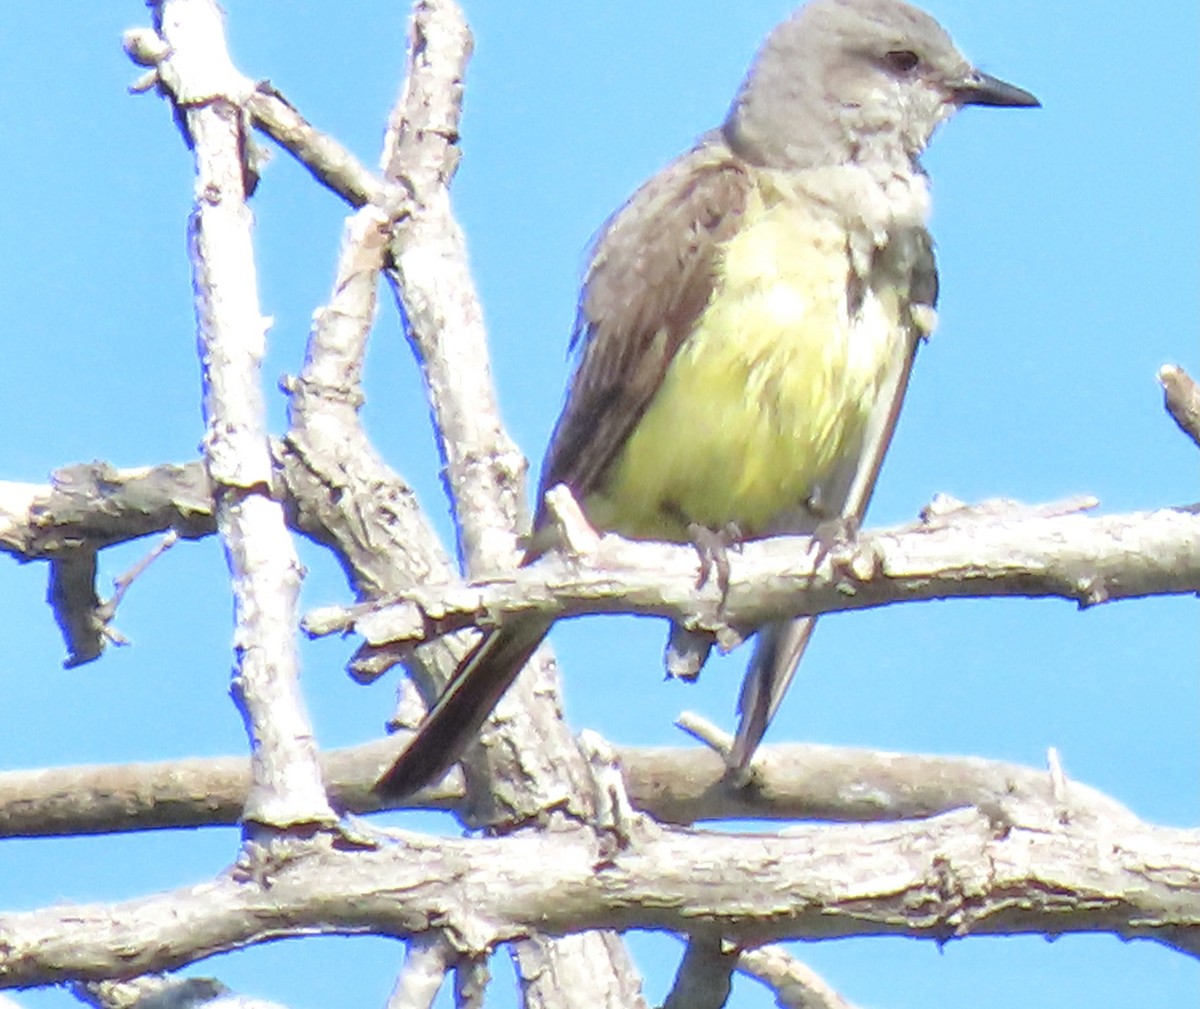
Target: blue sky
column 1069, row 247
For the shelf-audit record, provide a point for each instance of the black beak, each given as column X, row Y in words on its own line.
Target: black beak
column 984, row 89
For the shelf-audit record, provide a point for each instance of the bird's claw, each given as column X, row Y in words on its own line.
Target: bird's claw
column 713, row 546
column 834, row 534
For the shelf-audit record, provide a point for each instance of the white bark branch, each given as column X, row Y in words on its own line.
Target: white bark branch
column 341, row 492
column 796, row 985
column 425, row 968
column 471, row 978
column 1019, row 869
column 159, row 991
column 328, row 161
column 583, row 969
column 94, row 505
column 996, row 549
column 265, row 572
column 485, row 471
column 1181, row 397
column 334, row 486
column 85, row 508
column 681, row 786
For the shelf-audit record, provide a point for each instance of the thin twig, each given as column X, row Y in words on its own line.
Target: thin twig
column 122, row 583
column 1181, row 396
column 329, row 162
column 428, row 961
column 795, row 984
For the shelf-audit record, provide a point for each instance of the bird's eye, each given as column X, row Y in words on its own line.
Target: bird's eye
column 901, row 61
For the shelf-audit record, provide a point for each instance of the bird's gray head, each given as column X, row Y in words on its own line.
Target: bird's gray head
column 851, row 80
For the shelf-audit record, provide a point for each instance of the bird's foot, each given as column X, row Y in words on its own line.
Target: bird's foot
column 713, row 546
column 840, row 533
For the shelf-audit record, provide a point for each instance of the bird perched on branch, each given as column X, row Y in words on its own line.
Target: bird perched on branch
column 746, row 327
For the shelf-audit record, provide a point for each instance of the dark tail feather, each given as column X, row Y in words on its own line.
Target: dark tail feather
column 472, row 693
column 777, row 652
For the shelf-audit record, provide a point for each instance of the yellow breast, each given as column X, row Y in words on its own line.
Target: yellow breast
column 769, row 394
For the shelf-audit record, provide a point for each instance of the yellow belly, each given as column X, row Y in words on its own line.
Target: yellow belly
column 767, row 397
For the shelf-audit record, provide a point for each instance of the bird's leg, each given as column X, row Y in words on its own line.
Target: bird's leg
column 833, row 534
column 832, row 531
column 687, row 649
column 712, row 546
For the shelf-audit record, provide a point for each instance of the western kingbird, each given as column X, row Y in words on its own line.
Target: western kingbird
column 747, row 325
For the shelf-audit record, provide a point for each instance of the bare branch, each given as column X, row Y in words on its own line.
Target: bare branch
column 123, row 582
column 429, row 959
column 208, row 92
column 471, row 978
column 577, row 971
column 76, row 606
column 85, row 621
column 95, row 505
column 1181, row 397
column 342, row 495
column 330, row 163
column 341, row 492
column 796, row 985
column 840, row 784
column 1016, row 871
column 433, row 283
column 682, row 786
column 161, row 991
column 1004, row 552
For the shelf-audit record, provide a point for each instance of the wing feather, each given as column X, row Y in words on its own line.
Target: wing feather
column 651, row 276
column 782, row 644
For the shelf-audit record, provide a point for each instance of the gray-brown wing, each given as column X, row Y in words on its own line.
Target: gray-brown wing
column 923, row 292
column 650, row 277
column 781, row 645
